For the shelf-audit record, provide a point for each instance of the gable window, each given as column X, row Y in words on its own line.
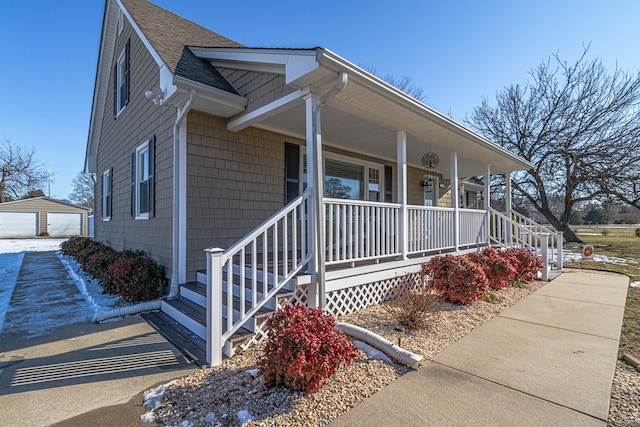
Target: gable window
column 106, row 194
column 120, row 21
column 142, row 180
column 121, row 81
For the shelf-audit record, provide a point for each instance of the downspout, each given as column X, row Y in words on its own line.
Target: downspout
column 318, row 184
column 175, row 252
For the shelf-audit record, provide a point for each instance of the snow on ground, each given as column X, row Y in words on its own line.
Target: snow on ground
column 32, row 245
column 572, row 257
column 83, row 287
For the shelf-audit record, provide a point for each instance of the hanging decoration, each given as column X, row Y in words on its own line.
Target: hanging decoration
column 430, row 162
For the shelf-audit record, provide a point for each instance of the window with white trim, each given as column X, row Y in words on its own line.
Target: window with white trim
column 142, row 186
column 106, row 194
column 121, row 81
column 120, row 21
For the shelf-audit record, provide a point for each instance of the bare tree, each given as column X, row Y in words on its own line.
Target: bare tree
column 82, row 193
column 578, row 126
column 404, row 83
column 21, row 171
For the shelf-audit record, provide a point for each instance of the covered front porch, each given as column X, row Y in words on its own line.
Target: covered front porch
column 407, row 201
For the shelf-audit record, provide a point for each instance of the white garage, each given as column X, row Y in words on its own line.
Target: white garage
column 42, row 216
column 18, row 224
column 64, row 224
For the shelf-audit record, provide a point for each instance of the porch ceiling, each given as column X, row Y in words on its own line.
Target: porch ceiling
column 365, row 116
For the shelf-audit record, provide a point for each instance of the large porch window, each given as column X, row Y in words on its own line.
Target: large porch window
column 344, row 177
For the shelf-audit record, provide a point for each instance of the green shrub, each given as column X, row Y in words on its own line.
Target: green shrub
column 411, row 301
column 303, row 349
column 457, row 278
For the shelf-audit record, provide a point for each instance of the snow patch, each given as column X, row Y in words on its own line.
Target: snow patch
column 635, row 285
column 29, row 245
column 10, row 264
column 244, row 416
column 148, row 417
column 153, row 399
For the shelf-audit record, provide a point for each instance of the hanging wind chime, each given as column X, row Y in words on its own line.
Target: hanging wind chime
column 430, row 162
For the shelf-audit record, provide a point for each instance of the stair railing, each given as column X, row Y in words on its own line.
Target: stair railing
column 256, row 267
column 520, row 231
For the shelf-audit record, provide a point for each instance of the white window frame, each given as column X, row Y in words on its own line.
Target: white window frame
column 121, row 71
column 120, row 21
column 367, row 165
column 140, row 151
column 107, row 194
column 435, row 192
column 360, row 162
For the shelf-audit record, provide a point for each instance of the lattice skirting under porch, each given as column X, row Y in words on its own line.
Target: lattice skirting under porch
column 340, row 302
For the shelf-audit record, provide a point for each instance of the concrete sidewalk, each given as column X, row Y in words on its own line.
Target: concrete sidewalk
column 85, row 367
column 56, row 365
column 548, row 360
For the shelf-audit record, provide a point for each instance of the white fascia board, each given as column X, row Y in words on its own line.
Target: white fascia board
column 334, row 62
column 293, row 63
column 105, row 55
column 282, row 104
column 222, row 97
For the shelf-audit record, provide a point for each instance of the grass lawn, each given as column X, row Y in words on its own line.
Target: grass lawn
column 617, row 242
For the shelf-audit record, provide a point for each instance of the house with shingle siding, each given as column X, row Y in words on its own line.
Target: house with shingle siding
column 258, row 176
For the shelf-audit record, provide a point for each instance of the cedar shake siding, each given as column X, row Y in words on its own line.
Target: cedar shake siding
column 234, row 182
column 139, row 121
column 259, row 88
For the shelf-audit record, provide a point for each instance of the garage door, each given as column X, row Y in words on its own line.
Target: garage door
column 64, row 224
column 18, row 224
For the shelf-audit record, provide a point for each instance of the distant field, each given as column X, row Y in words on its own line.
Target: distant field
column 617, row 241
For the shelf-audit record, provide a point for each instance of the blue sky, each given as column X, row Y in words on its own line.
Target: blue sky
column 457, row 51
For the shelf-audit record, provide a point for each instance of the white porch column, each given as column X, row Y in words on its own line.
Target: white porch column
column 487, row 201
column 401, row 144
column 507, row 205
column 316, row 294
column 455, row 199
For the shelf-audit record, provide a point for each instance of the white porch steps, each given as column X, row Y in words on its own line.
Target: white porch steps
column 189, row 310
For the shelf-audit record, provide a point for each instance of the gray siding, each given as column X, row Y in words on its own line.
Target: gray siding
column 259, row 88
column 235, row 181
column 140, row 120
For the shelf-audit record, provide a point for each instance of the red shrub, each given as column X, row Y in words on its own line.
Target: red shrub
column 526, row 263
column 303, row 349
column 497, row 268
column 134, row 277
column 458, row 279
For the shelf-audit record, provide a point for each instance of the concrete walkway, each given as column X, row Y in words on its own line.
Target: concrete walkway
column 74, row 367
column 549, row 360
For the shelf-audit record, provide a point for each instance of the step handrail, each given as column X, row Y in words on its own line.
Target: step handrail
column 277, row 240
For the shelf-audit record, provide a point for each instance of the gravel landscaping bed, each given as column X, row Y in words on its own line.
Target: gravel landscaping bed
column 227, row 394
column 231, row 388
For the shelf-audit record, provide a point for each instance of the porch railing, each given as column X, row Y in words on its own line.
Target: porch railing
column 508, row 231
column 253, row 270
column 357, row 230
column 429, row 229
column 473, row 227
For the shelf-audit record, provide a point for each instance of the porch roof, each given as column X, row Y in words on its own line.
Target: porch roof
column 365, row 116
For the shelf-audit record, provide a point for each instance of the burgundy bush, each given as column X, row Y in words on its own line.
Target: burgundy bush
column 526, row 263
column 459, row 279
column 303, row 349
column 134, row 278
column 497, row 267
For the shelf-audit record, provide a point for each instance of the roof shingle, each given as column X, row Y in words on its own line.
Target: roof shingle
column 169, row 33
